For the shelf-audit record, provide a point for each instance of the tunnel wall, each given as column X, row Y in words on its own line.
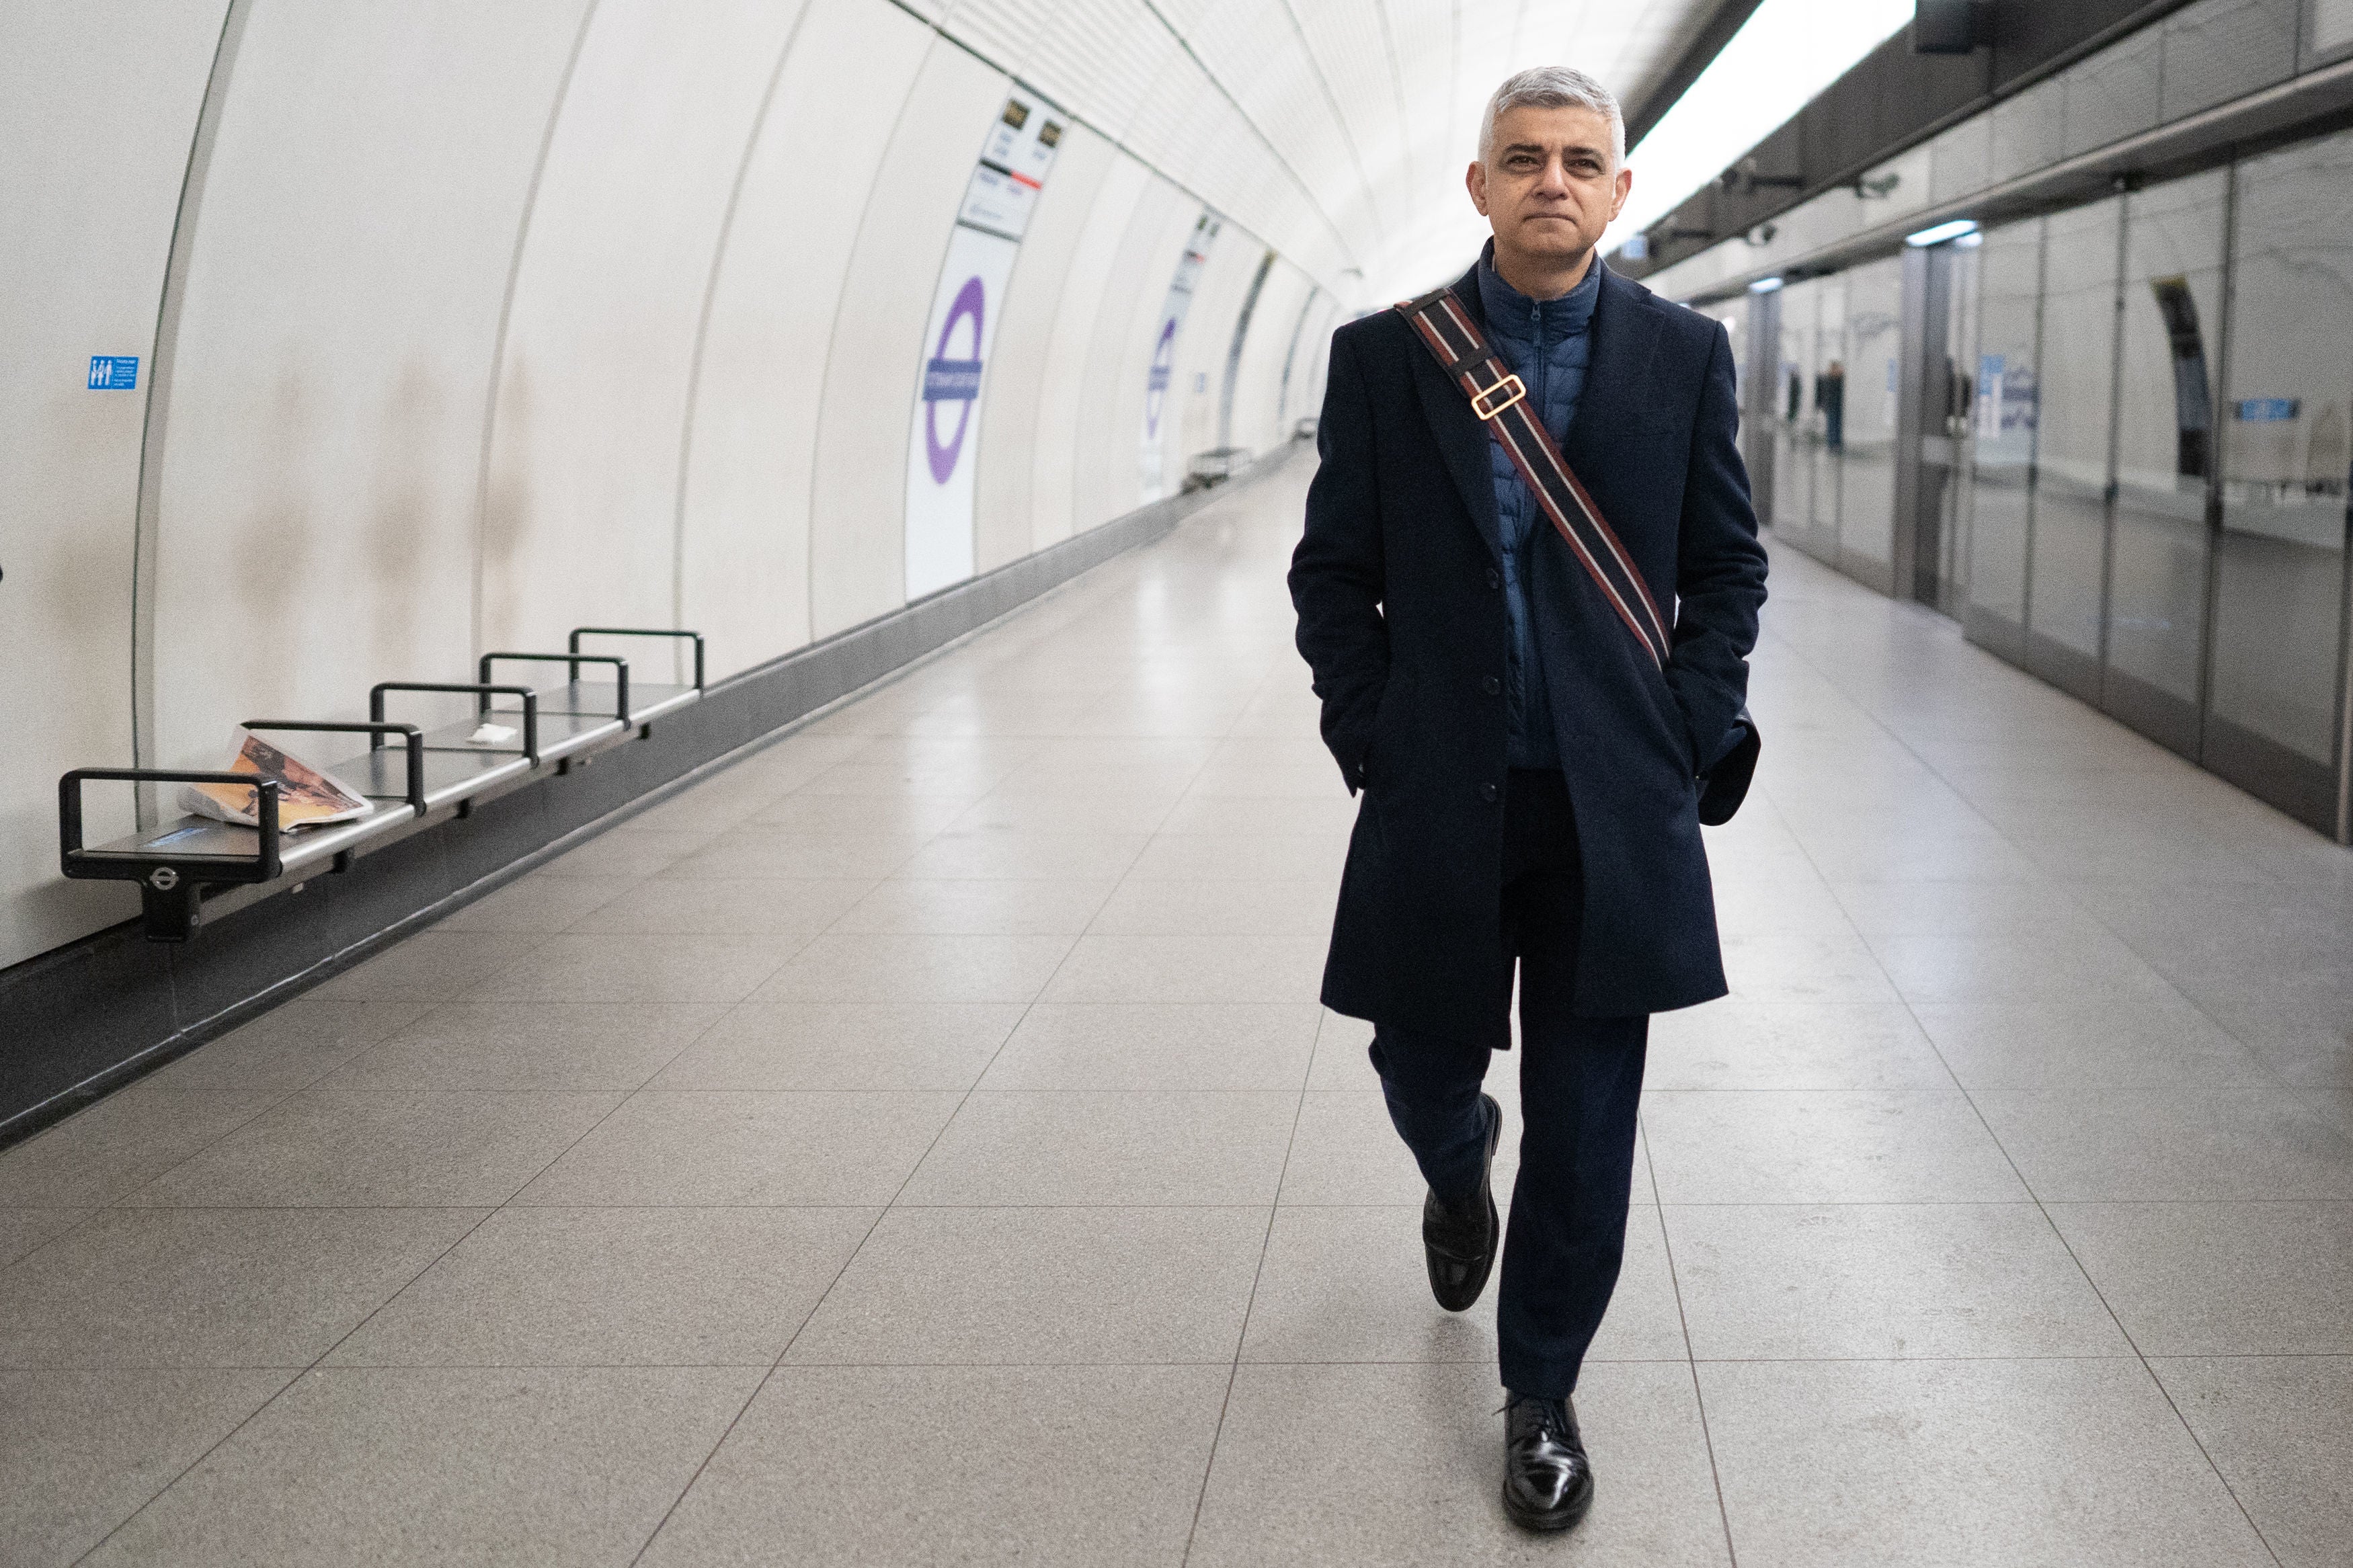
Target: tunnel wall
column 462, row 325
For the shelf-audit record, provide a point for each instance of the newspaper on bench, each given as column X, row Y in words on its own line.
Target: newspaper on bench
column 307, row 796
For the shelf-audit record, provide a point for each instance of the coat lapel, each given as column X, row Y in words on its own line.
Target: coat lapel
column 1463, row 438
column 1617, row 374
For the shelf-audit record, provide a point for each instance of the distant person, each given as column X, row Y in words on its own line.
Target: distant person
column 1529, row 741
column 1829, row 397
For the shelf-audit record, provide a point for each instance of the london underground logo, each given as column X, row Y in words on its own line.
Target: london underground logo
column 1155, row 386
column 958, row 381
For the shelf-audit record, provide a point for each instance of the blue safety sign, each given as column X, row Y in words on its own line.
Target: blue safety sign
column 113, row 373
column 2268, row 410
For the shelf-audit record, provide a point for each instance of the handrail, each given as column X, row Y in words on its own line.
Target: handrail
column 170, row 899
column 69, row 845
column 376, row 732
column 483, row 692
column 620, row 671
column 579, row 632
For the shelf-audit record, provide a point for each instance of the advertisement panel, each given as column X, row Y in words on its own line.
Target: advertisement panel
column 943, row 445
column 1152, row 459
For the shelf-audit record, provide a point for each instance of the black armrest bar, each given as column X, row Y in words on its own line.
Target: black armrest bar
column 264, row 867
column 481, row 693
column 579, row 632
column 620, row 671
column 376, row 732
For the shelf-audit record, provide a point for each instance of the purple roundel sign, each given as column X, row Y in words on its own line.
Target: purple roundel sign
column 957, row 381
column 1155, row 386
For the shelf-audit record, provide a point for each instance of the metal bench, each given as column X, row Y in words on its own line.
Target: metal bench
column 409, row 775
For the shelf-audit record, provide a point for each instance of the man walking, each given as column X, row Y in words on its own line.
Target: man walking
column 1529, row 679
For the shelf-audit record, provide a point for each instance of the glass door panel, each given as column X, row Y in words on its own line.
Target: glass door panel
column 1793, row 475
column 1939, row 570
column 2165, row 437
column 1828, row 424
column 2067, row 557
column 2276, row 706
column 2005, row 415
column 1874, row 352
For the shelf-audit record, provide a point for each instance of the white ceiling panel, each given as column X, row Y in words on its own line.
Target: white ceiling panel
column 1336, row 129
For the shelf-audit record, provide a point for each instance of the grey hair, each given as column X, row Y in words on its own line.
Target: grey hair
column 1554, row 87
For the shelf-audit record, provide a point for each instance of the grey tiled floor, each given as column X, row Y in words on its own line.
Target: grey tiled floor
column 921, row 1145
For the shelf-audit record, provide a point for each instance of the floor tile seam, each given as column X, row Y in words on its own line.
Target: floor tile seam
column 1683, row 1322
column 2204, row 1453
column 946, row 1122
column 758, row 1385
column 297, row 1376
column 1250, row 1303
column 122, row 1199
column 2045, row 1089
column 2084, row 1271
column 370, row 1315
column 1989, row 666
column 293, row 1376
column 1126, row 875
column 489, row 1208
column 295, row 1368
column 2009, row 841
column 852, row 1255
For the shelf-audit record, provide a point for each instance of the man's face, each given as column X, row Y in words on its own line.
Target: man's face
column 1552, row 186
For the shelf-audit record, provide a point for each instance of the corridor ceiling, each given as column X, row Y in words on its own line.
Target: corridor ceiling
column 1336, row 129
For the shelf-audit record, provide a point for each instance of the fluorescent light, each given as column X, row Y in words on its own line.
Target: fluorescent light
column 1942, row 232
column 1767, row 286
column 1779, row 60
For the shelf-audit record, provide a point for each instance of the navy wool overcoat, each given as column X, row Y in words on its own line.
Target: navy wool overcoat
column 1399, row 586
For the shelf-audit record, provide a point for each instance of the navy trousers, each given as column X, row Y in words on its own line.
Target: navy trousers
column 1580, row 1087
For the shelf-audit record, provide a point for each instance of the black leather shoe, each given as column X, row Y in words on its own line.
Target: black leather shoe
column 1458, row 1244
column 1547, row 1480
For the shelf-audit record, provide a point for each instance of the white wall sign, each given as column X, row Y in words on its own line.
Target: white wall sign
column 943, row 446
column 1163, row 351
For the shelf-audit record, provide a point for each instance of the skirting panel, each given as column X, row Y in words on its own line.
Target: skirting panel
column 92, row 1016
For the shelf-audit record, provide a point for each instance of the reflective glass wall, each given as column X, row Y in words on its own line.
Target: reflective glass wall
column 2067, row 545
column 2005, row 414
column 2170, row 319
column 1872, row 351
column 2161, row 446
column 2275, row 716
column 2138, row 485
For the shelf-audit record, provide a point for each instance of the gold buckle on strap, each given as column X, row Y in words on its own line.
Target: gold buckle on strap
column 1511, row 383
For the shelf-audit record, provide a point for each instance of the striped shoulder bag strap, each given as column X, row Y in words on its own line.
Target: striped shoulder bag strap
column 1499, row 399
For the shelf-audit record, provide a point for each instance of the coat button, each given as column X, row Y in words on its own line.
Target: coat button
column 1491, row 686
column 1494, row 578
column 1488, row 792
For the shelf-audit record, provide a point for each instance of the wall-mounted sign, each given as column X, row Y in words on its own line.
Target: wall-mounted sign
column 1163, row 351
column 113, row 373
column 2267, row 410
column 2008, row 404
column 943, row 454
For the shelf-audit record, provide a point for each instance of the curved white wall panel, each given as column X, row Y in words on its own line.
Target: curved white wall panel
column 1012, row 412
column 1062, row 401
column 745, row 534
column 1201, row 349
column 1107, row 479
column 315, row 529
column 1259, row 386
column 490, row 320
column 857, row 509
column 90, row 193
column 584, row 460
